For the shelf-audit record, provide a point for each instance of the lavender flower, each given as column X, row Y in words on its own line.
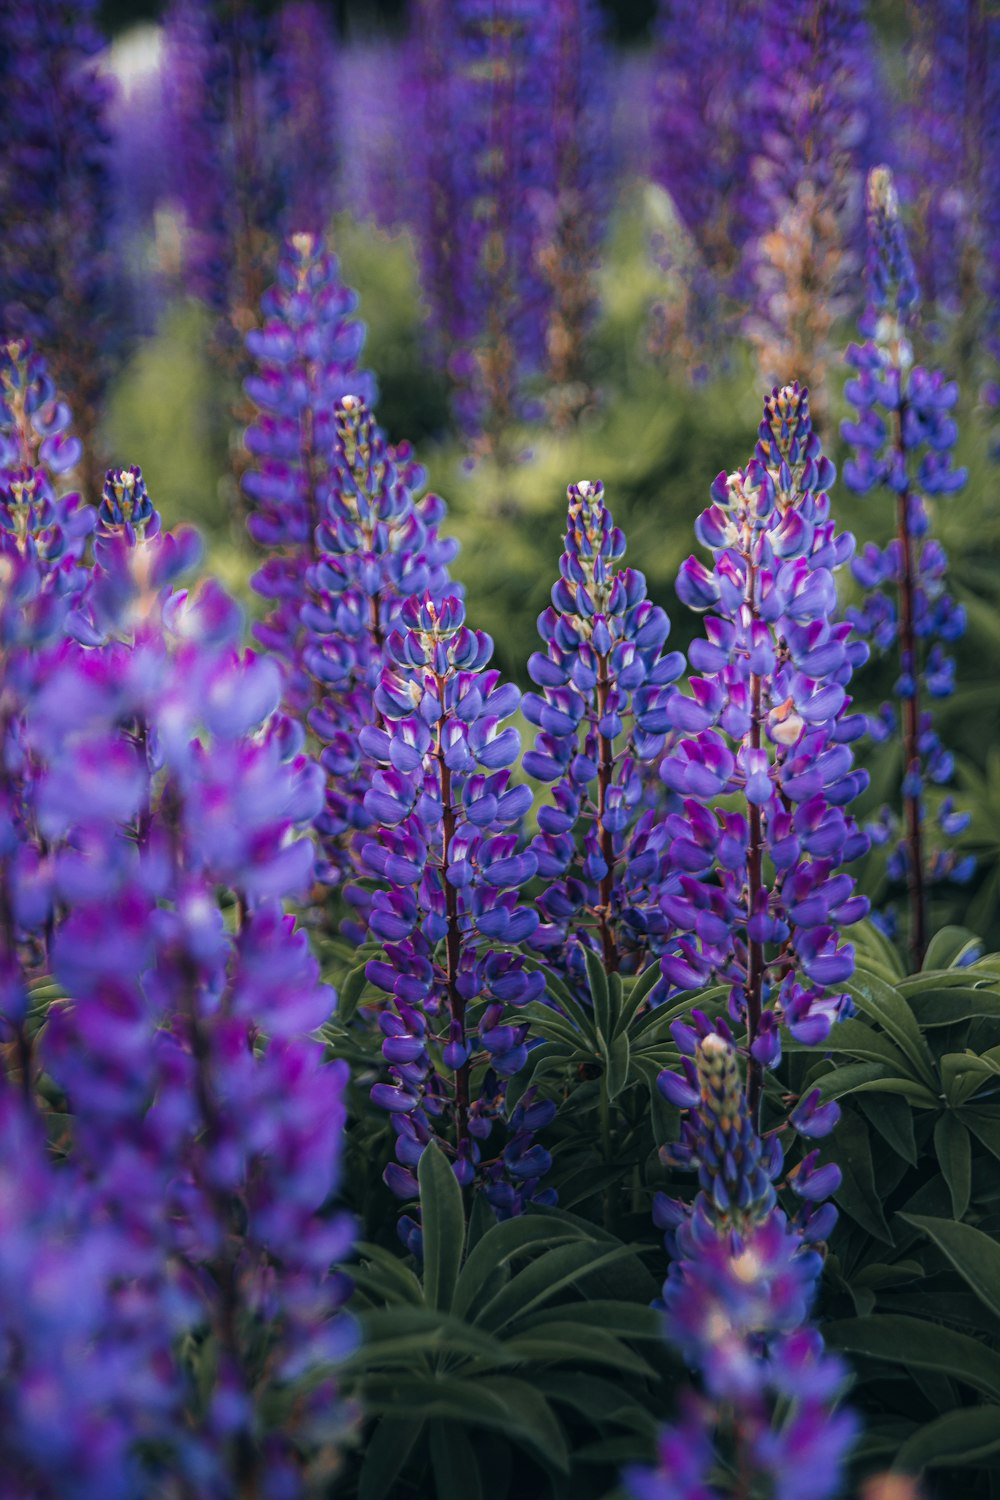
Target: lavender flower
column 768, row 721
column 306, row 106
column 818, row 97
column 55, row 197
column 602, row 718
column 737, row 1298
column 446, row 853
column 903, row 440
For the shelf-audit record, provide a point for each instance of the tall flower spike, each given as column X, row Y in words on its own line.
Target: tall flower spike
column 445, row 850
column 768, row 721
column 819, row 93
column 306, row 108
column 306, row 356
column 903, row 439
column 378, row 545
column 484, row 79
column 56, row 259
column 601, row 716
column 737, row 1299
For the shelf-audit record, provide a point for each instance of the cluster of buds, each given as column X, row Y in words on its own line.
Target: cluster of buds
column 447, row 854
column 602, row 720
column 768, row 720
column 738, row 1296
column 903, row 440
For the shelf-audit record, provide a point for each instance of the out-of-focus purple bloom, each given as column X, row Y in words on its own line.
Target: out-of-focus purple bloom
column 307, row 115
column 737, row 1300
column 818, row 93
column 767, row 718
column 605, row 684
column 903, row 440
column 55, row 200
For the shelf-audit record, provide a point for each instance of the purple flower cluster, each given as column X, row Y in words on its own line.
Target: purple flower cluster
column 818, row 94
column 516, row 214
column 447, row 854
column 55, row 194
column 602, row 718
column 903, row 440
column 738, row 1295
column 766, row 719
column 146, row 775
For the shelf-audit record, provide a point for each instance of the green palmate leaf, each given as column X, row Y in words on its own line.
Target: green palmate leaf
column 857, row 1194
column 975, row 1256
column 588, row 1181
column 892, row 1117
column 948, row 946
column 385, row 1275
column 962, row 1074
column 985, row 1128
column 443, row 1215
column 626, row 1320
column 563, row 1341
column 958, row 1437
column 553, row 1272
column 385, row 1331
column 640, row 989
column 561, row 994
column 597, row 1400
column 453, row 1459
column 350, row 994
column 600, row 994
column 944, row 1007
column 532, row 1420
column 498, row 1247
column 954, row 1154
column 923, row 1345
column 886, row 1005
column 617, row 1068
column 549, row 1024
column 387, row 1449
column 856, row 1039
column 839, row 1082
column 875, row 953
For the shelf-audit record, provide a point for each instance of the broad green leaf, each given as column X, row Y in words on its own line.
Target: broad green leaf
column 627, row 1320
column 385, row 1275
column 542, row 1281
column 954, row 1154
column 641, row 988
column 386, row 1330
column 596, row 1399
column 947, row 947
column 548, row 1023
column 561, row 994
column 531, row 1420
column 350, row 994
column 975, row 1256
column 588, row 1181
column 857, row 1039
column 904, row 1087
column 944, row 1007
column 875, row 953
column 857, row 1194
column 600, row 994
column 985, row 1127
column 921, row 1344
column 387, row 1449
column 841, row 1081
column 443, row 1214
column 453, row 1459
column 565, row 1342
column 892, row 1117
column 958, row 1437
column 962, row 1074
column 618, row 1065
column 501, row 1245
column 886, row 1005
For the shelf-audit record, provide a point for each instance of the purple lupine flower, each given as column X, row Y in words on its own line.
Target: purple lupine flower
column 37, row 516
column 204, row 1117
column 378, row 545
column 948, row 148
column 376, row 79
column 818, row 97
column 601, row 715
column 767, row 718
column 483, row 78
column 737, row 1299
column 705, row 135
column 306, row 352
column 306, row 106
column 450, row 865
column 55, row 198
column 574, row 214
column 903, row 441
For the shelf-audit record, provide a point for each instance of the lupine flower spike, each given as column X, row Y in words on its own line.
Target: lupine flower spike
column 737, row 1300
column 903, row 440
column 601, row 714
column 768, row 720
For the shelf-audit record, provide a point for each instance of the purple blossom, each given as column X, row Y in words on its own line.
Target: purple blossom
column 449, row 862
column 903, row 441
column 767, row 719
column 602, row 722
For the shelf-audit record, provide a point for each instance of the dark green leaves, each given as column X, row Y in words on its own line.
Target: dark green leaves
column 444, row 1226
